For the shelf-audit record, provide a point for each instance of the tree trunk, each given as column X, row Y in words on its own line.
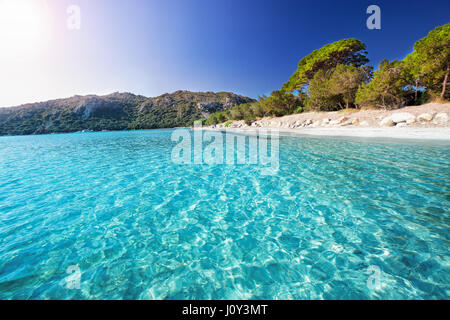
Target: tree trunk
column 444, row 85
column 415, row 94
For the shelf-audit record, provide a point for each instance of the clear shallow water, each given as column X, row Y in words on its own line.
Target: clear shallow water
column 140, row 227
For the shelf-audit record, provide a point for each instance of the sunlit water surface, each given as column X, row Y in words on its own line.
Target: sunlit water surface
column 138, row 226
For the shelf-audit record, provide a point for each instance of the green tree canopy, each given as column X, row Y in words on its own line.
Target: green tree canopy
column 345, row 81
column 320, row 97
column 430, row 60
column 346, row 51
column 277, row 104
column 388, row 88
column 335, row 89
column 280, row 103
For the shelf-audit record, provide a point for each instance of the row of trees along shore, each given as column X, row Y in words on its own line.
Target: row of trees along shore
column 338, row 76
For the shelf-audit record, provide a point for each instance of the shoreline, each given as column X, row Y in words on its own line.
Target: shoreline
column 425, row 122
column 440, row 134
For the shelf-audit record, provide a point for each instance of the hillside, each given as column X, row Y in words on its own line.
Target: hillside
column 117, row 111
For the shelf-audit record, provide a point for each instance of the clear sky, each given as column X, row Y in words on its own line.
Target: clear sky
column 151, row 47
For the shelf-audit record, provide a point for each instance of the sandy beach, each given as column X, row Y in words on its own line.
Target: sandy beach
column 425, row 122
column 394, row 133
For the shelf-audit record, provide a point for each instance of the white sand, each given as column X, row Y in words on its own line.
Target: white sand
column 399, row 133
column 418, row 130
column 379, row 132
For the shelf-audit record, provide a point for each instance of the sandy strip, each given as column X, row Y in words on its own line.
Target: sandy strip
column 441, row 134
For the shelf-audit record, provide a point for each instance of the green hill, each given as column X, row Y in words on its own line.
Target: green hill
column 117, row 111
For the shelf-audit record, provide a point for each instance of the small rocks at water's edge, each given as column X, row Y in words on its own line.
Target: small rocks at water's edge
column 402, row 117
column 364, row 123
column 441, row 118
column 387, row 122
column 425, row 116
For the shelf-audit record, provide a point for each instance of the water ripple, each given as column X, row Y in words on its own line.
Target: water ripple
column 140, row 227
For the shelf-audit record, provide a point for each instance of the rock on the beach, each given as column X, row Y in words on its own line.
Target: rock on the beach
column 316, row 123
column 308, row 122
column 425, row 117
column 401, row 124
column 346, row 123
column 441, row 117
column 387, row 122
column 364, row 123
column 325, row 121
column 402, row 117
column 338, row 121
column 342, row 119
column 355, row 122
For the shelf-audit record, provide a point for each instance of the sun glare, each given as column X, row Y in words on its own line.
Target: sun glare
column 23, row 26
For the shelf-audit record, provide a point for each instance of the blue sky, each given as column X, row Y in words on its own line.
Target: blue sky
column 155, row 46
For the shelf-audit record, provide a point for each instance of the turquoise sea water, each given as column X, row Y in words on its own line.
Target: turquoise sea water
column 138, row 226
